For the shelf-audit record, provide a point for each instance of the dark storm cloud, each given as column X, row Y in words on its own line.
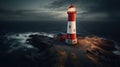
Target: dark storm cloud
column 26, row 10
column 108, row 9
column 7, row 14
column 99, row 10
column 12, row 12
column 91, row 5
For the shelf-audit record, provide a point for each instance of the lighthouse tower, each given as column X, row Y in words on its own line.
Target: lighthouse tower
column 71, row 26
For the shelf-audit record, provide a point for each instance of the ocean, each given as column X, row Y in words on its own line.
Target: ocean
column 109, row 30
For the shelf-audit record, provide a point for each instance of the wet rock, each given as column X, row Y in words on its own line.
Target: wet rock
column 99, row 50
column 90, row 51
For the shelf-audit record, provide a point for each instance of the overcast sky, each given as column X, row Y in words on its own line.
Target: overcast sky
column 55, row 10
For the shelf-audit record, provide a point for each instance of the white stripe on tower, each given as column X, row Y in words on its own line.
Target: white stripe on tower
column 71, row 27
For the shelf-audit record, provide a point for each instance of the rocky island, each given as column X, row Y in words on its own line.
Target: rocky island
column 45, row 50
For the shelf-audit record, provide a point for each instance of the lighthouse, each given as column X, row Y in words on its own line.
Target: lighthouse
column 71, row 26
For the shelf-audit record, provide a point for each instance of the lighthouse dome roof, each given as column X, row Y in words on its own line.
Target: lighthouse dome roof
column 72, row 8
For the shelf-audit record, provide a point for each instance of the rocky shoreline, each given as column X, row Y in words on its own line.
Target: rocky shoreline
column 44, row 50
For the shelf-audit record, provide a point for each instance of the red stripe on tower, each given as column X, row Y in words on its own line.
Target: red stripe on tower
column 71, row 26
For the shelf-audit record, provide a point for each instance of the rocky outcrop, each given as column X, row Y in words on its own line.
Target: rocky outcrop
column 99, row 50
column 40, row 50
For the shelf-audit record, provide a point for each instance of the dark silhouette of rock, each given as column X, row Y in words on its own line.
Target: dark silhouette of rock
column 43, row 51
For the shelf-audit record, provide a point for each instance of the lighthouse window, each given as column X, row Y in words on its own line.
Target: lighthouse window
column 74, row 41
column 74, row 30
column 69, row 26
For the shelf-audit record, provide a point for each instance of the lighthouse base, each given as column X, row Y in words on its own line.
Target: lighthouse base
column 68, row 41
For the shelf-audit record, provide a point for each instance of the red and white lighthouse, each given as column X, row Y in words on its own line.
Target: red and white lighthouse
column 71, row 26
